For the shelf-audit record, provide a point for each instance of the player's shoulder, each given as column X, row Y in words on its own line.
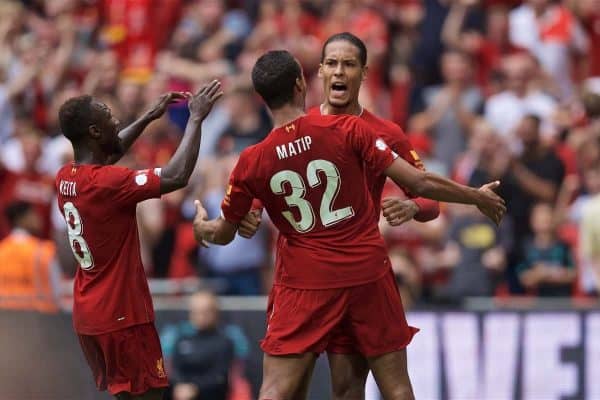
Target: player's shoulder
column 251, row 151
column 252, row 154
column 61, row 172
column 108, row 176
column 331, row 121
column 381, row 124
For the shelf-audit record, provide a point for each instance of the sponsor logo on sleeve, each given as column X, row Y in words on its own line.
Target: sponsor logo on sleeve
column 141, row 178
column 418, row 162
column 227, row 198
column 160, row 368
column 380, row 144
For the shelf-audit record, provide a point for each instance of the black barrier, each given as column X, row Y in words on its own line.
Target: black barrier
column 462, row 355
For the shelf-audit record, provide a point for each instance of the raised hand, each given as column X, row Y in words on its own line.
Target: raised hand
column 159, row 108
column 398, row 211
column 202, row 102
column 249, row 225
column 490, row 204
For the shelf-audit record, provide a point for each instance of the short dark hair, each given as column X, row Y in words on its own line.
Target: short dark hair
column 75, row 116
column 16, row 210
column 353, row 40
column 274, row 77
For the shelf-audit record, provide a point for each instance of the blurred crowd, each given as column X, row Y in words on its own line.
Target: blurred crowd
column 485, row 90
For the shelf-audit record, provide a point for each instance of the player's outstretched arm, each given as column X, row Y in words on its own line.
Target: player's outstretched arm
column 217, row 231
column 178, row 170
column 129, row 134
column 435, row 187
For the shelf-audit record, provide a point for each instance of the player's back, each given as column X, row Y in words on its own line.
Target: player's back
column 310, row 176
column 99, row 206
column 394, row 137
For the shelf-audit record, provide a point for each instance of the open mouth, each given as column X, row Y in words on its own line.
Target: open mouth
column 338, row 89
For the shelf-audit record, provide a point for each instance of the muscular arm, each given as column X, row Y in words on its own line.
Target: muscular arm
column 217, row 231
column 129, row 135
column 435, row 187
column 177, row 172
column 430, row 185
column 427, row 209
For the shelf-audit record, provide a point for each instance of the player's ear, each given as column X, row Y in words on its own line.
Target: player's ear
column 365, row 69
column 94, row 131
column 300, row 84
column 320, row 72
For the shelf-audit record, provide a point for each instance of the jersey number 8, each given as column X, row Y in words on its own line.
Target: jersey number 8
column 296, row 198
column 79, row 246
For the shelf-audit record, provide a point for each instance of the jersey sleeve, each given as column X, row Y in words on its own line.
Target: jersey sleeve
column 238, row 199
column 370, row 147
column 402, row 146
column 127, row 187
column 428, row 209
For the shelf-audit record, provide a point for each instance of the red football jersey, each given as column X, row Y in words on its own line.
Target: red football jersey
column 393, row 135
column 99, row 205
column 310, row 177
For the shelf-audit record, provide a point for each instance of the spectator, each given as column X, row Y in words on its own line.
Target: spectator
column 590, row 246
column 584, row 213
column 426, row 57
column 505, row 110
column 551, row 33
column 239, row 266
column 589, row 13
column 28, row 183
column 485, row 49
column 29, row 277
column 13, row 81
column 52, row 50
column 202, row 359
column 250, row 122
column 547, row 269
column 478, row 252
column 532, row 177
column 482, row 144
column 451, row 107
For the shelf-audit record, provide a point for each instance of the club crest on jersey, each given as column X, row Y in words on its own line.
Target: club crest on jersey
column 290, row 128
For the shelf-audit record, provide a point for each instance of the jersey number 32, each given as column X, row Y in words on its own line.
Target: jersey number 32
column 296, row 198
column 79, row 246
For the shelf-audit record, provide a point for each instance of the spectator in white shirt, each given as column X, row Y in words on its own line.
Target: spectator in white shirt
column 506, row 109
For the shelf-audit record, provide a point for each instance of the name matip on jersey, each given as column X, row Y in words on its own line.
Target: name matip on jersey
column 99, row 206
column 310, row 177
